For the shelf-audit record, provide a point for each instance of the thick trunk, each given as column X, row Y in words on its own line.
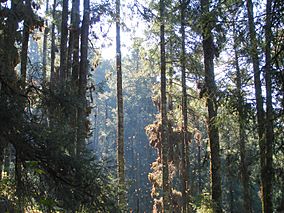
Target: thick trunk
column 10, row 56
column 82, row 115
column 242, row 134
column 259, row 102
column 184, row 113
column 63, row 42
column 163, row 107
column 269, row 111
column 73, row 66
column 7, row 69
column 84, row 49
column 213, row 132
column 120, row 116
column 73, row 47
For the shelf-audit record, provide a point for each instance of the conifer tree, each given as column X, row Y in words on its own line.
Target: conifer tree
column 211, row 101
column 269, row 110
column 120, row 114
column 185, row 187
column 163, row 107
column 260, row 114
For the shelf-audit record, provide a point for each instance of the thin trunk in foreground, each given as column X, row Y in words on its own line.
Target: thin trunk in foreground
column 44, row 47
column 269, row 111
column 25, row 45
column 242, row 134
column 184, row 113
column 260, row 114
column 52, row 53
column 164, row 133
column 120, row 116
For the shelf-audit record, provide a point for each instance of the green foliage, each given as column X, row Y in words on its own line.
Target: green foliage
column 7, row 188
column 39, row 123
column 203, row 204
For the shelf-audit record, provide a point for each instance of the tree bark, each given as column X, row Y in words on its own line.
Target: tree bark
column 52, row 54
column 120, row 115
column 269, row 111
column 44, row 48
column 73, row 47
column 170, row 101
column 82, row 115
column 242, row 134
column 18, row 177
column 213, row 132
column 259, row 102
column 229, row 174
column 10, row 56
column 25, row 45
column 199, row 167
column 73, row 67
column 63, row 43
column 163, row 107
column 24, row 52
column 184, row 112
column 76, row 36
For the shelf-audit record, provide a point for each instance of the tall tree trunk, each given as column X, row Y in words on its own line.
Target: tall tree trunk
column 213, row 132
column 9, row 59
column 120, row 115
column 18, row 177
column 163, row 107
column 73, row 47
column 25, row 44
column 138, row 178
column 63, row 42
column 199, row 166
column 52, row 54
column 76, row 36
column 184, row 112
column 242, row 134
column 259, row 102
column 24, row 52
column 10, row 56
column 70, row 44
column 269, row 111
column 44, row 48
column 18, row 147
column 170, row 102
column 82, row 116
column 230, row 182
column 73, row 66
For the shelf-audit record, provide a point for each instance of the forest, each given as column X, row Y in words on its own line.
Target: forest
column 163, row 106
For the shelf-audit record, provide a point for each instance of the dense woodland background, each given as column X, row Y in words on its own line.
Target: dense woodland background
column 186, row 117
